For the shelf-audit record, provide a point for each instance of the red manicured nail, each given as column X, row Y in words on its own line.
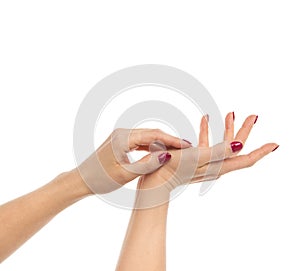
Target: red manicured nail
column 164, row 157
column 185, row 140
column 276, row 148
column 233, row 116
column 236, row 146
column 255, row 119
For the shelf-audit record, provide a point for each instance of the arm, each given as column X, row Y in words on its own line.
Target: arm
column 23, row 217
column 144, row 246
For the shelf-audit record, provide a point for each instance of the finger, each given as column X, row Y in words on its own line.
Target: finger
column 214, row 170
column 218, row 152
column 153, row 147
column 246, row 128
column 147, row 148
column 248, row 160
column 147, row 164
column 203, row 135
column 144, row 137
column 229, row 127
column 142, row 148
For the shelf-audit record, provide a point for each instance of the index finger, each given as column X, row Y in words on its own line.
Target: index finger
column 144, row 137
column 247, row 160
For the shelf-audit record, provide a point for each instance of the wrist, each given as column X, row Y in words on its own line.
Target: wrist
column 150, row 181
column 151, row 193
column 72, row 185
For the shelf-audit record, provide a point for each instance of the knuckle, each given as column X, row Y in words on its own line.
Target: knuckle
column 155, row 134
column 116, row 132
column 157, row 131
column 250, row 160
column 218, row 152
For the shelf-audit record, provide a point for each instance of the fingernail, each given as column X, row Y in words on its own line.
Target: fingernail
column 255, row 119
column 276, row 148
column 164, row 157
column 185, row 140
column 236, row 146
column 207, row 117
column 233, row 116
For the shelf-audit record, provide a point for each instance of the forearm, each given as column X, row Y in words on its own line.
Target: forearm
column 144, row 247
column 23, row 217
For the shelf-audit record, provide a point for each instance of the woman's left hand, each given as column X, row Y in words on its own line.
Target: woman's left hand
column 202, row 163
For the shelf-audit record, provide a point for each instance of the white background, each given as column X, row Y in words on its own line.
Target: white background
column 246, row 53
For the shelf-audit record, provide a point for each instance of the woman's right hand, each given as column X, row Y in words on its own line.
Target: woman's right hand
column 108, row 168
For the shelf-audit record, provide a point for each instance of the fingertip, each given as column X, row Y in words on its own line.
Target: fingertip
column 230, row 116
column 229, row 120
column 275, row 148
column 185, row 140
column 185, row 143
column 251, row 120
column 203, row 122
column 236, row 146
column 164, row 157
column 207, row 117
column 270, row 147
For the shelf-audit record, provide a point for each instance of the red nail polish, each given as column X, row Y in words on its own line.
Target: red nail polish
column 236, row 146
column 185, row 140
column 164, row 157
column 255, row 119
column 276, row 148
column 233, row 116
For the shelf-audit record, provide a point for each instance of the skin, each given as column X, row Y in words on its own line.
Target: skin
column 144, row 247
column 21, row 218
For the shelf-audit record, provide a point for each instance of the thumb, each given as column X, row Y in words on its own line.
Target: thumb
column 225, row 150
column 148, row 163
column 218, row 152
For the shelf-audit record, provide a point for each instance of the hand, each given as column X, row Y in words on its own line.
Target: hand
column 202, row 163
column 234, row 162
column 108, row 168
